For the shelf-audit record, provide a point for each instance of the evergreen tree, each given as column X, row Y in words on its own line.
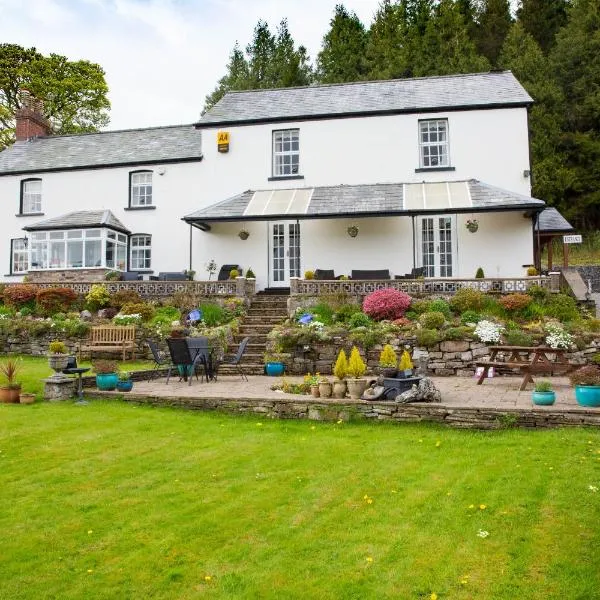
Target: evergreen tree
column 237, row 78
column 261, row 54
column 576, row 62
column 290, row 67
column 387, row 49
column 446, row 48
column 493, row 24
column 543, row 19
column 342, row 57
column 522, row 55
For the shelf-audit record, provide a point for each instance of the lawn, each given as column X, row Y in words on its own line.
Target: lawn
column 112, row 501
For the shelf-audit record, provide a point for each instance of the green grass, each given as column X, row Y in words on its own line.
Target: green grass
column 111, row 501
column 586, row 253
column 35, row 368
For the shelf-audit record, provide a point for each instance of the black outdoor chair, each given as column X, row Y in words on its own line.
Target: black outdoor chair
column 182, row 357
column 236, row 359
column 418, row 272
column 161, row 359
column 324, row 274
column 131, row 276
column 170, row 276
column 370, row 274
column 225, row 270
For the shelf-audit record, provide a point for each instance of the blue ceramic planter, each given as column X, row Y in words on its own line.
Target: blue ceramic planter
column 587, row 395
column 125, row 386
column 274, row 369
column 106, row 382
column 543, row 398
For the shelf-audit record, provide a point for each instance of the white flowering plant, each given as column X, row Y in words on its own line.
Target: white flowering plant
column 133, row 319
column 557, row 337
column 488, row 331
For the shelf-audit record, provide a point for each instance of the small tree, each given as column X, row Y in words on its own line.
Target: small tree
column 356, row 365
column 340, row 370
column 388, row 358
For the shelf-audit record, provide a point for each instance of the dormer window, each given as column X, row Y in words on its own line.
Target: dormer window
column 286, row 153
column 31, row 197
column 140, row 189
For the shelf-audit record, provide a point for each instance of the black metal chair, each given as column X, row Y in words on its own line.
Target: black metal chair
column 325, row 274
column 161, row 359
column 131, row 276
column 225, row 270
column 236, row 358
column 370, row 274
column 182, row 357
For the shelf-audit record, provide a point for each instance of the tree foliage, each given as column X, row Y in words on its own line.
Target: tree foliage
column 542, row 19
column 74, row 92
column 493, row 23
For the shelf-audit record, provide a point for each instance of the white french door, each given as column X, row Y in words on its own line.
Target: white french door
column 437, row 246
column 284, row 250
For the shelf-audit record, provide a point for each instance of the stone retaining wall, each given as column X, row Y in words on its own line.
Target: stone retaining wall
column 590, row 273
column 357, row 410
column 443, row 359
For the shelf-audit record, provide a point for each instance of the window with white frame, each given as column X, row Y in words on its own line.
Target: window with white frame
column 78, row 249
column 19, row 256
column 140, row 192
column 31, row 196
column 433, row 143
column 286, row 152
column 140, row 252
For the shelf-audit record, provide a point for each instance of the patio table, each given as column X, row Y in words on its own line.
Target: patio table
column 199, row 346
column 528, row 359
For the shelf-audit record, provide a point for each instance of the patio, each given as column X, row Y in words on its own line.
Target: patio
column 497, row 403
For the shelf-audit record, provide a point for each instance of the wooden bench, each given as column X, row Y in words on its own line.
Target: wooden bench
column 529, row 360
column 110, row 338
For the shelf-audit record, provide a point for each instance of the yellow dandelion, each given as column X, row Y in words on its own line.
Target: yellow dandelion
column 207, row 578
column 365, row 497
column 370, row 501
column 339, row 422
column 438, row 444
column 433, row 596
column 90, row 570
column 482, row 507
column 90, row 531
column 471, row 506
column 369, row 559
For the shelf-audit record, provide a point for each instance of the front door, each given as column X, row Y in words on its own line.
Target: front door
column 437, row 246
column 284, row 252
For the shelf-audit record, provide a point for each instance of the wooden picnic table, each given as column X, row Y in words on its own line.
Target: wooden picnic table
column 528, row 359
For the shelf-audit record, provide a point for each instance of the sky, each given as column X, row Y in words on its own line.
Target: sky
column 161, row 57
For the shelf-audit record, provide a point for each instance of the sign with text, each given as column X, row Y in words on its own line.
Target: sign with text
column 223, row 141
column 572, row 239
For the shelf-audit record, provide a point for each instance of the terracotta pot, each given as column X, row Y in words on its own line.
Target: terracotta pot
column 314, row 391
column 356, row 388
column 339, row 388
column 325, row 389
column 10, row 395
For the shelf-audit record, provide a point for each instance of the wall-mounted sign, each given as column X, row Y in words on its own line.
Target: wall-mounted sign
column 223, row 141
column 572, row 239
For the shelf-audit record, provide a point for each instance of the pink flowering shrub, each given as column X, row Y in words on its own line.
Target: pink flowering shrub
column 386, row 304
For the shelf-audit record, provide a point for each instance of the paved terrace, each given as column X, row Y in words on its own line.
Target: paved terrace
column 496, row 403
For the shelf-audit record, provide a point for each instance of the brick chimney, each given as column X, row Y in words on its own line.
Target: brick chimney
column 30, row 120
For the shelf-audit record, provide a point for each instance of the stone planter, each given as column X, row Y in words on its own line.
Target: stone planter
column 356, row 388
column 339, row 388
column 58, row 362
column 325, row 389
column 27, row 398
column 314, row 391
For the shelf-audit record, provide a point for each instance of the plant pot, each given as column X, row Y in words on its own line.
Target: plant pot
column 587, row 395
column 243, row 235
column 27, row 398
column 124, row 386
column 389, row 371
column 58, row 362
column 274, row 369
column 356, row 388
column 10, row 395
column 314, row 391
column 325, row 389
column 339, row 388
column 106, row 382
column 543, row 398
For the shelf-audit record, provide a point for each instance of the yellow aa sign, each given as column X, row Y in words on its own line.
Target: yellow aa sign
column 223, row 141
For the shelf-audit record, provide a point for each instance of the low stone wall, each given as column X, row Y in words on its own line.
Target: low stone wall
column 443, row 359
column 357, row 410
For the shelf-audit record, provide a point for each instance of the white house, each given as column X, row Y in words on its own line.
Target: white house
column 404, row 164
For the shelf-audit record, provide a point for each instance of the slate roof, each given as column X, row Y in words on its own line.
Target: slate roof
column 126, row 147
column 80, row 219
column 551, row 221
column 377, row 97
column 370, row 200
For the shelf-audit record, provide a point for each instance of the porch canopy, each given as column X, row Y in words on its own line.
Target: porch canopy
column 370, row 200
column 551, row 224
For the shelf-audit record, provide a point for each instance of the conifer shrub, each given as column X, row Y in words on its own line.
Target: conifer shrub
column 145, row 310
column 515, row 302
column 467, row 299
column 359, row 319
column 406, row 363
column 432, row 320
column 420, row 306
column 340, row 370
column 457, row 333
column 356, row 365
column 122, row 297
column 388, row 358
column 97, row 297
column 562, row 307
column 470, row 316
column 479, row 274
column 442, row 306
column 386, row 304
column 427, row 337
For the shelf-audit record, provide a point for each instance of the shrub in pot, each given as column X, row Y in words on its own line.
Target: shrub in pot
column 313, row 383
column 356, row 369
column 124, row 382
column 543, row 394
column 106, row 374
column 406, row 364
column 57, row 357
column 340, row 370
column 586, row 381
column 10, row 390
column 388, row 361
column 274, row 365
